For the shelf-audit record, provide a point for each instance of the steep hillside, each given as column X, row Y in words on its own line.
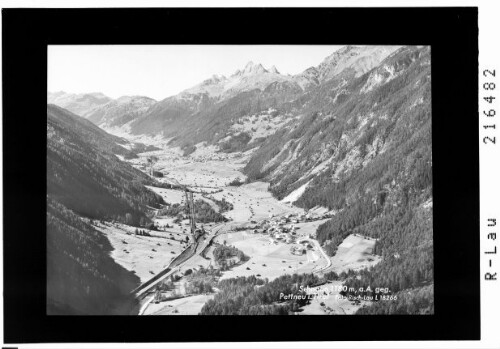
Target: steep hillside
column 356, row 60
column 207, row 111
column 85, row 178
column 349, row 129
column 95, row 135
column 84, row 174
column 363, row 149
column 82, row 278
column 212, row 110
column 80, row 104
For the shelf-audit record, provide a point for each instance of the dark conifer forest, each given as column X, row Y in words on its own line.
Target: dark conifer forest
column 86, row 179
column 378, row 176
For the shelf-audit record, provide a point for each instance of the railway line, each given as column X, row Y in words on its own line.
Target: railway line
column 175, row 265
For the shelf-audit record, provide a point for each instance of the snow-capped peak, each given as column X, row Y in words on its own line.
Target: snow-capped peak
column 249, row 66
column 357, row 59
column 214, row 80
column 252, row 76
column 133, row 99
column 274, row 70
column 251, row 69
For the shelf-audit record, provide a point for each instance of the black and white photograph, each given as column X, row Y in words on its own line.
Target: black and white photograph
column 239, row 180
column 218, row 176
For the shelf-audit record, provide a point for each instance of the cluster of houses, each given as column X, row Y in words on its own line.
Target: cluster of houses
column 298, row 250
column 278, row 229
column 214, row 157
column 284, row 229
column 282, row 221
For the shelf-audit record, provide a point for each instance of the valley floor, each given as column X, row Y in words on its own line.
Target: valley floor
column 269, row 260
column 144, row 255
column 209, row 174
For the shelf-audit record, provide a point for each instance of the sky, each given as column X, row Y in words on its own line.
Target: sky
column 162, row 71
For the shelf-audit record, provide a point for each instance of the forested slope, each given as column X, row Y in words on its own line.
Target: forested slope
column 86, row 179
column 120, row 111
column 364, row 149
column 84, row 174
column 82, row 279
column 203, row 120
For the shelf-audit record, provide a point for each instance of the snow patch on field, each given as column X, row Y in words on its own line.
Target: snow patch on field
column 144, row 255
column 356, row 253
column 271, row 260
column 296, row 194
column 318, row 210
column 169, row 195
column 253, row 202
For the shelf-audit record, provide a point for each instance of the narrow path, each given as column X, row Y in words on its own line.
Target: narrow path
column 328, row 261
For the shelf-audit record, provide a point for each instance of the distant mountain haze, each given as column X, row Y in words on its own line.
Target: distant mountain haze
column 120, row 111
column 80, row 104
column 95, row 107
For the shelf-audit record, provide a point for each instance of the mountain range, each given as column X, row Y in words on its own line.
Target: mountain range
column 80, row 104
column 142, row 112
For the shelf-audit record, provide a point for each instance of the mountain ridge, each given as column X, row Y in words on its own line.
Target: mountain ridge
column 78, row 103
column 108, row 113
column 87, row 182
column 82, row 165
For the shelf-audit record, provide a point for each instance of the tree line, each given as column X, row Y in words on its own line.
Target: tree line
column 254, row 296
